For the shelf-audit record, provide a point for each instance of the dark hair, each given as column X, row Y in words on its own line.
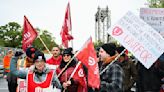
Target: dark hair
column 39, row 56
column 30, row 52
column 63, row 63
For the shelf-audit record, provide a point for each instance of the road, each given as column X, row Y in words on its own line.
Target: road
column 3, row 85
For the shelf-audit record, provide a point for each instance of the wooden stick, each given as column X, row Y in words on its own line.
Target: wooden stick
column 44, row 44
column 112, row 62
column 67, row 64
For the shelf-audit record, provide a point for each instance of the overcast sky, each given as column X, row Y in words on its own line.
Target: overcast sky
column 49, row 14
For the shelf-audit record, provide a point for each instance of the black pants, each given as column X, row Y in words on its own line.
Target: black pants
column 12, row 82
column 12, row 86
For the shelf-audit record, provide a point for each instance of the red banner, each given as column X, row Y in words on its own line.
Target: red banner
column 29, row 34
column 67, row 26
column 88, row 57
column 81, row 77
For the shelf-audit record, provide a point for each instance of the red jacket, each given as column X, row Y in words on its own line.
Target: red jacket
column 75, row 86
column 54, row 61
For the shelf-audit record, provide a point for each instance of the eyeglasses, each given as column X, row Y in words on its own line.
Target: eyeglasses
column 66, row 55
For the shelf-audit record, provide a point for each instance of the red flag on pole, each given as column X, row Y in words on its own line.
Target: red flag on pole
column 81, row 77
column 79, row 74
column 67, row 26
column 29, row 34
column 87, row 56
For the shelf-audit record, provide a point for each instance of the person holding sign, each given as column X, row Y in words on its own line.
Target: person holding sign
column 129, row 68
column 112, row 77
column 40, row 75
column 149, row 80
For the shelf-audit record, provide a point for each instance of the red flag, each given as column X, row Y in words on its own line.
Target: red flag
column 81, row 77
column 87, row 56
column 67, row 26
column 29, row 34
column 79, row 74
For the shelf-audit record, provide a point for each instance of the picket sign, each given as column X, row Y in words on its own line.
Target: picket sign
column 145, row 43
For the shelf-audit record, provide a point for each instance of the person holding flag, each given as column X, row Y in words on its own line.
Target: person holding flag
column 112, row 77
column 70, row 82
column 87, row 55
column 43, row 78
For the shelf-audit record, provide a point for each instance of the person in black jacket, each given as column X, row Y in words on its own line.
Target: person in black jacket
column 149, row 80
column 129, row 69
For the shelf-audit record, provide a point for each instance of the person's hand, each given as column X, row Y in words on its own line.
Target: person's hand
column 66, row 84
column 18, row 53
column 5, row 76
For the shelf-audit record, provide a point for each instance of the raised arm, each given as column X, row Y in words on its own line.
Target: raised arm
column 13, row 69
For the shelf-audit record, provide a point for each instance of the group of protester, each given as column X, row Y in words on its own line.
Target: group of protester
column 117, row 76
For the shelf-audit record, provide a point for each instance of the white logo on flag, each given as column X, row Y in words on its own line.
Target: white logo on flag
column 80, row 73
column 91, row 61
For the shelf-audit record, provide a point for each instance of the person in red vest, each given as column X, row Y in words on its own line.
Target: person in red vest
column 56, row 57
column 24, row 62
column 39, row 74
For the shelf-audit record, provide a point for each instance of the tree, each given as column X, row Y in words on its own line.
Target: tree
column 156, row 3
column 10, row 35
column 47, row 39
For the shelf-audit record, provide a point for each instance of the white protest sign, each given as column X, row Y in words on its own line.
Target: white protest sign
column 154, row 17
column 138, row 37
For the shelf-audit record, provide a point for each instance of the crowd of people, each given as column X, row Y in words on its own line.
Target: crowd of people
column 30, row 71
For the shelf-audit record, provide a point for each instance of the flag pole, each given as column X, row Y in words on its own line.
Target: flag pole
column 72, row 58
column 68, row 64
column 44, row 44
column 71, row 40
column 77, row 65
column 112, row 62
column 70, row 22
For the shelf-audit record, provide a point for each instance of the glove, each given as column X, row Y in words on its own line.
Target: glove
column 18, row 53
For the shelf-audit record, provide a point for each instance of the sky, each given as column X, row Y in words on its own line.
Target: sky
column 49, row 15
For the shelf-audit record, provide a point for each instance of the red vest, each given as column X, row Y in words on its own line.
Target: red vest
column 33, row 86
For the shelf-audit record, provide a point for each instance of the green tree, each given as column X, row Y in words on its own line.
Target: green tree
column 98, row 44
column 47, row 39
column 10, row 35
column 156, row 3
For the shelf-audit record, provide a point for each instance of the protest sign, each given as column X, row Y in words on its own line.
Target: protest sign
column 139, row 38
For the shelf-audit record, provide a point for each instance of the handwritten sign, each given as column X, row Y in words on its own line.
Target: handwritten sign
column 138, row 37
column 154, row 17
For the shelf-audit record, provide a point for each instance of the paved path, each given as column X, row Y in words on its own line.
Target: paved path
column 3, row 85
